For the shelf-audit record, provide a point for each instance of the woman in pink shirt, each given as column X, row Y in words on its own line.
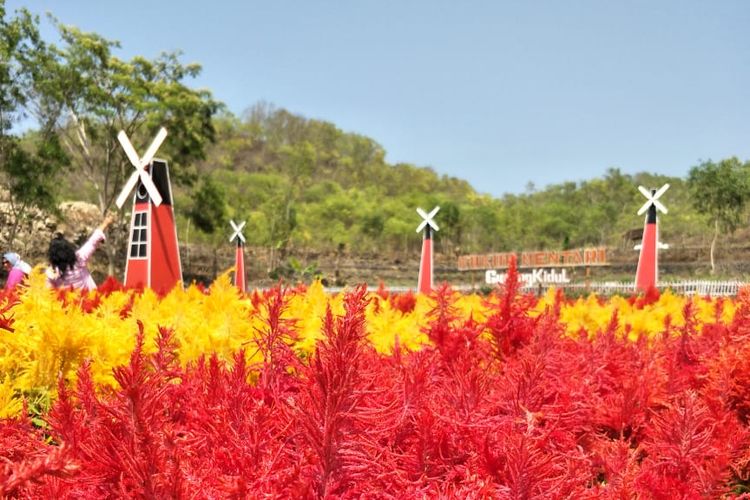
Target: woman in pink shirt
column 68, row 266
column 17, row 269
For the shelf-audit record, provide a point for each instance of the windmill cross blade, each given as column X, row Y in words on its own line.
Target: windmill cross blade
column 151, row 151
column 430, row 216
column 128, row 147
column 237, row 230
column 644, row 207
column 127, row 189
column 660, row 206
column 661, row 191
column 153, row 192
column 422, row 214
column 237, row 235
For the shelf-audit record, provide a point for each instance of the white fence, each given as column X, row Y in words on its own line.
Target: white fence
column 695, row 287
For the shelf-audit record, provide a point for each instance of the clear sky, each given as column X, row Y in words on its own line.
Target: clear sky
column 500, row 93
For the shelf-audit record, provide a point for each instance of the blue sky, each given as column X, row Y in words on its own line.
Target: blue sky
column 500, row 93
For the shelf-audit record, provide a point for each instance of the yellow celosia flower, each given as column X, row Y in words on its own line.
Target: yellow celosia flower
column 10, row 405
column 385, row 323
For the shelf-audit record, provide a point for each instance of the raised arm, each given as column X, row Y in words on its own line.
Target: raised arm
column 109, row 219
column 86, row 251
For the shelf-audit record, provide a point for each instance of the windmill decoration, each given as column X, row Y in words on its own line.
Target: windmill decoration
column 239, row 259
column 424, row 285
column 646, row 275
column 153, row 251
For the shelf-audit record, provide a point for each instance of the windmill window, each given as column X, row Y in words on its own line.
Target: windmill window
column 139, row 236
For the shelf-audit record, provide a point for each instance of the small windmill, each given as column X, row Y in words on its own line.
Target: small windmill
column 424, row 285
column 646, row 276
column 239, row 258
column 153, row 251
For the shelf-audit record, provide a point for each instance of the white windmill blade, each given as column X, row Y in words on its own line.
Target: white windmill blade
column 661, row 191
column 422, row 214
column 237, row 236
column 644, row 207
column 129, row 149
column 140, row 164
column 427, row 219
column 653, row 199
column 127, row 189
column 155, row 144
column 237, row 231
column 659, row 206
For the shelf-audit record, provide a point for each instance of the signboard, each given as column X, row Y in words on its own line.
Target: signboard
column 543, row 276
column 581, row 257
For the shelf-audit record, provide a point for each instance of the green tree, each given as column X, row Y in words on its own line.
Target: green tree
column 29, row 166
column 298, row 162
column 209, row 209
column 721, row 191
column 450, row 226
column 30, row 178
column 209, row 214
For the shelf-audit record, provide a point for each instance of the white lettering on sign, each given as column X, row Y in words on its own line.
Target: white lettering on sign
column 544, row 276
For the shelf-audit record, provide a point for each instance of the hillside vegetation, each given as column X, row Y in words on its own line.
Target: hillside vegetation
column 305, row 183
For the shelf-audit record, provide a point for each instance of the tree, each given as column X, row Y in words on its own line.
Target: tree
column 721, row 191
column 89, row 95
column 450, row 226
column 209, row 213
column 30, row 178
column 209, row 209
column 299, row 164
column 29, row 166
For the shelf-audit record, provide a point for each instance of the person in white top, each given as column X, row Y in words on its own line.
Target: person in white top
column 68, row 266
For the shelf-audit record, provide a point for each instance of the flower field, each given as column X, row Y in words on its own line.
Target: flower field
column 295, row 393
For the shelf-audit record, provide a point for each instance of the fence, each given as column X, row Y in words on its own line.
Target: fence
column 695, row 287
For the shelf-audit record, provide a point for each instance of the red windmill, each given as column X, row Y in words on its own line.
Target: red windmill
column 153, row 252
column 239, row 256
column 646, row 276
column 424, row 285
